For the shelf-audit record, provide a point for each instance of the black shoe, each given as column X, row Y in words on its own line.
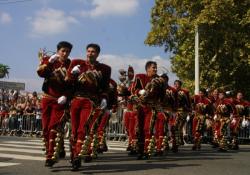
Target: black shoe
column 132, row 152
column 174, row 149
column 104, row 148
column 76, row 164
column 235, row 147
column 222, row 150
column 166, row 148
column 62, row 154
column 87, row 159
column 99, row 150
column 140, row 156
column 49, row 162
column 146, row 156
column 215, row 145
column 129, row 148
column 159, row 153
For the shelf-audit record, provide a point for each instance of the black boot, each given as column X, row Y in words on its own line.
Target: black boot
column 88, row 159
column 49, row 162
column 174, row 149
column 76, row 164
column 62, row 154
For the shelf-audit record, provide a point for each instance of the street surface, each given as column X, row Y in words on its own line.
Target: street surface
column 24, row 156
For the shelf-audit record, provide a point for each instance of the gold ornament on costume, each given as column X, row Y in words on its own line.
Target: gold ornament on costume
column 92, row 77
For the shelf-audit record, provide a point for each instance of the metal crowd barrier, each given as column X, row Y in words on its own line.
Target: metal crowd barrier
column 30, row 125
column 115, row 129
column 21, row 125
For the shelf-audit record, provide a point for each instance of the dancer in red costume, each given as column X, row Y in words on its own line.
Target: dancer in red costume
column 54, row 101
column 182, row 107
column 91, row 82
column 202, row 107
column 164, row 117
column 224, row 110
column 147, row 90
column 241, row 112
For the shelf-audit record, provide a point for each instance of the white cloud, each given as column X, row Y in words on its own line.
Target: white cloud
column 5, row 18
column 111, row 7
column 51, row 22
column 122, row 62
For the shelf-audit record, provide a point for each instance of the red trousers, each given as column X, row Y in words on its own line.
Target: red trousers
column 146, row 122
column 52, row 114
column 235, row 125
column 160, row 126
column 81, row 110
column 130, row 122
column 102, row 126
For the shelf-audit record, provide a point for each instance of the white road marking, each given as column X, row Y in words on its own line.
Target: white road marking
column 22, row 157
column 4, row 164
column 21, row 150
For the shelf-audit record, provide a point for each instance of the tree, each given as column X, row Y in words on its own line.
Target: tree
column 224, row 33
column 4, row 71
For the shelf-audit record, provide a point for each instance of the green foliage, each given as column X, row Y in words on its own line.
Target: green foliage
column 224, row 36
column 4, row 71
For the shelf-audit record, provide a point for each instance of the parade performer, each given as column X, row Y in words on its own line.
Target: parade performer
column 202, row 107
column 129, row 110
column 111, row 108
column 241, row 112
column 224, row 111
column 213, row 97
column 90, row 79
column 183, row 107
column 164, row 117
column 147, row 90
column 54, row 101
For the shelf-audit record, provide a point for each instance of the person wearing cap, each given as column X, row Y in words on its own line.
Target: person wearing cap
column 55, row 100
column 202, row 107
column 90, row 80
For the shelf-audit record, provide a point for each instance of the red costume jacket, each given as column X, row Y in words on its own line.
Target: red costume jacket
column 202, row 105
column 225, row 107
column 142, row 81
column 241, row 107
column 54, row 77
column 169, row 99
column 183, row 100
column 86, row 88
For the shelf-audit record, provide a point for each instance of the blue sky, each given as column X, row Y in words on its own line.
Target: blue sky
column 119, row 26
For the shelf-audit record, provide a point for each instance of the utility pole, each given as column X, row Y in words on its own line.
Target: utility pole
column 197, row 70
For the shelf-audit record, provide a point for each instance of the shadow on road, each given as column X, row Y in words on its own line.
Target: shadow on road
column 121, row 162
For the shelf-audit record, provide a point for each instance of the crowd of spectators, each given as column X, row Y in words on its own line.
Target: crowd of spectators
column 20, row 113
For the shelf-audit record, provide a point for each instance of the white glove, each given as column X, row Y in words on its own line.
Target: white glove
column 62, row 100
column 188, row 118
column 215, row 117
column 233, row 121
column 103, row 103
column 76, row 69
column 53, row 58
column 245, row 123
column 231, row 116
column 142, row 92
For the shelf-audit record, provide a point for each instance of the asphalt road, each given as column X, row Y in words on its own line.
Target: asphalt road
column 23, row 156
